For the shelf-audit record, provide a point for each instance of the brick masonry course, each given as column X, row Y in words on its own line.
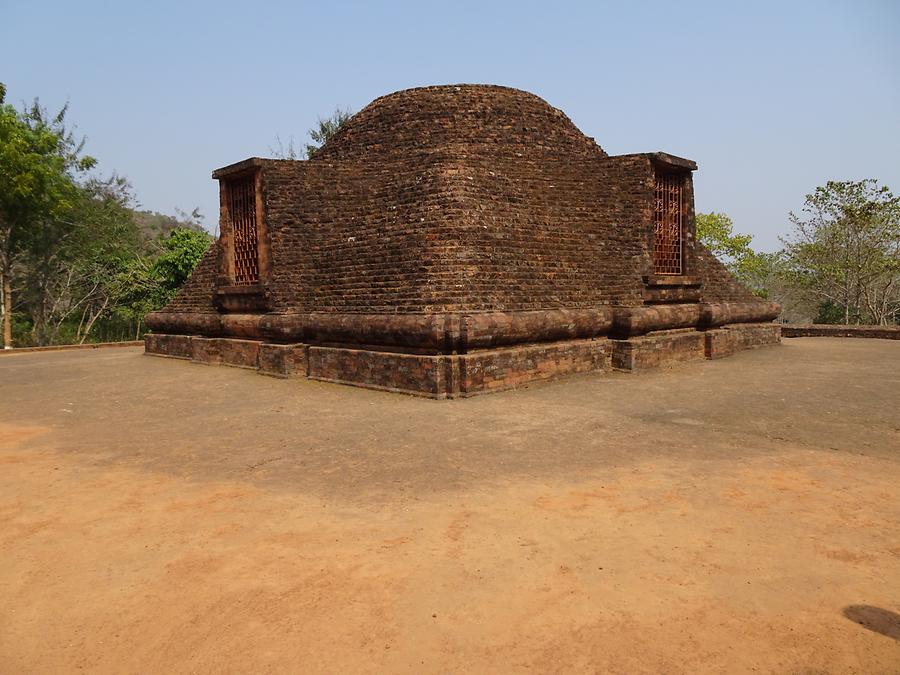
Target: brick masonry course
column 831, row 330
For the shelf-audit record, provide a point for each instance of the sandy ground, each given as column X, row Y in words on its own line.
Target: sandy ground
column 733, row 516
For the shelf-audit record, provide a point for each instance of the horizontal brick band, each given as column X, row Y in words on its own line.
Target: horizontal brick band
column 720, row 313
column 432, row 375
column 730, row 339
column 640, row 320
column 448, row 333
column 476, row 372
column 57, row 348
column 441, row 333
column 830, row 330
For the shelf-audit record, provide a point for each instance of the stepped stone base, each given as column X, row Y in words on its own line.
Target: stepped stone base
column 457, row 376
column 461, row 375
column 657, row 349
column 435, row 376
column 730, row 339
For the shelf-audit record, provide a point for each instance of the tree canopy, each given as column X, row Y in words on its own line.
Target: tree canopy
column 39, row 195
column 75, row 263
column 844, row 251
column 326, row 128
column 840, row 263
column 716, row 231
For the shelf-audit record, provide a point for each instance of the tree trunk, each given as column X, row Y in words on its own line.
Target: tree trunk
column 7, row 309
column 92, row 320
column 39, row 330
column 847, row 304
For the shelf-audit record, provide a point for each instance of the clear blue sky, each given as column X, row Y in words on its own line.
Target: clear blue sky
column 770, row 98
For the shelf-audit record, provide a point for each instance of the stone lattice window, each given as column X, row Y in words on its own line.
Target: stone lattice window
column 240, row 195
column 668, row 224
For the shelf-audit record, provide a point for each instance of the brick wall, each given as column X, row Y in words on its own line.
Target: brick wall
column 728, row 340
column 719, row 285
column 487, row 371
column 436, row 376
column 653, row 351
column 829, row 330
column 460, row 375
column 463, row 234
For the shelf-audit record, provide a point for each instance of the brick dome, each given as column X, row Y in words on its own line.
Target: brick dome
column 458, row 120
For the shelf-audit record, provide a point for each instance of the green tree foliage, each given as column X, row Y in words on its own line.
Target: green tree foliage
column 152, row 225
column 181, row 251
column 844, row 252
column 70, row 273
column 828, row 312
column 716, row 232
column 326, row 128
column 39, row 159
column 77, row 262
column 149, row 282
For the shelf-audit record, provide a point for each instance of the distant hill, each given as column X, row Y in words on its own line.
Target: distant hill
column 153, row 225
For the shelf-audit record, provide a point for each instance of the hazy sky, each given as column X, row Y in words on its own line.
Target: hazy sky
column 771, row 99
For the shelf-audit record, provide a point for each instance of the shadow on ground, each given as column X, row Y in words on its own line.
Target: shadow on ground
column 875, row 619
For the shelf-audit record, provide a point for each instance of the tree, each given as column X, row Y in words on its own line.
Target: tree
column 181, row 253
column 73, row 273
column 38, row 160
column 325, row 129
column 844, row 251
column 716, row 232
column 148, row 283
column 75, row 256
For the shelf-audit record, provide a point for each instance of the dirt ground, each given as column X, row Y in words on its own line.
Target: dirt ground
column 734, row 516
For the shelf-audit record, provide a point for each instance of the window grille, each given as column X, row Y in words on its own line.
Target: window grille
column 241, row 201
column 668, row 226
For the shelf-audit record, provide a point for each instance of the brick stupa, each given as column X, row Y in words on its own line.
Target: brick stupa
column 455, row 240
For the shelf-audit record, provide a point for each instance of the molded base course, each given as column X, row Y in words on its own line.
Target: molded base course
column 738, row 337
column 229, row 352
column 425, row 375
column 284, row 360
column 477, row 372
column 487, row 371
column 174, row 346
column 457, row 376
column 654, row 350
column 436, row 376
